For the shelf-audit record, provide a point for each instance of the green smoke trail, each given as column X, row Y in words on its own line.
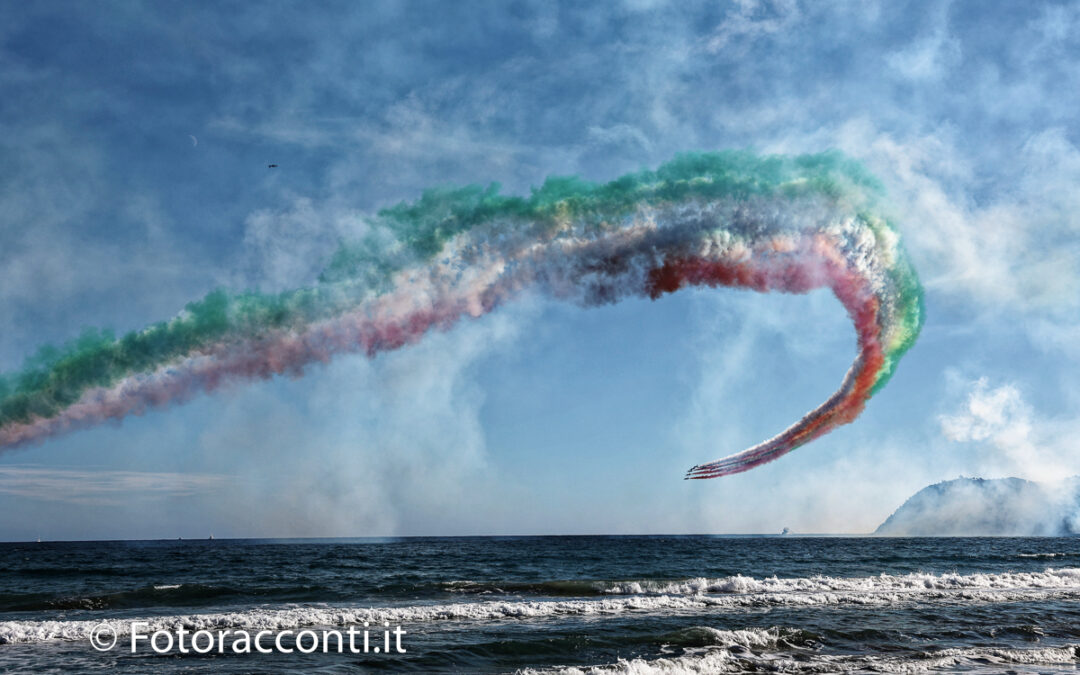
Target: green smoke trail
column 413, row 234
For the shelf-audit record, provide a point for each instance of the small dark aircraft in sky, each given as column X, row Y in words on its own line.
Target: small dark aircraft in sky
column 271, row 166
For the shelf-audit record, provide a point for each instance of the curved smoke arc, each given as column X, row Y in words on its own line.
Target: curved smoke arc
column 766, row 223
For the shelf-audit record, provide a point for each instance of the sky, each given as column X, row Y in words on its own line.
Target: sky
column 135, row 144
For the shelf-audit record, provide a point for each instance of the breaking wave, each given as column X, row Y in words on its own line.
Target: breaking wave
column 618, row 598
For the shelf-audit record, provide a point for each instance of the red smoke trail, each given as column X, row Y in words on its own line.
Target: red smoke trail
column 787, row 224
column 388, row 323
column 403, row 316
column 792, row 274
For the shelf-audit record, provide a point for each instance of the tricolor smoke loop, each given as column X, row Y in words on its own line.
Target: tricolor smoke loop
column 789, row 224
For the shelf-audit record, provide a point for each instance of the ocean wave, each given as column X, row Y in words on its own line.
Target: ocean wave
column 1042, row 555
column 155, row 595
column 757, row 650
column 738, row 584
column 663, row 598
column 1050, row 578
column 557, row 588
column 770, row 638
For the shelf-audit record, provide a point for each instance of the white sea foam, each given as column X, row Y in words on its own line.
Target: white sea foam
column 1051, row 578
column 752, row 650
column 689, row 596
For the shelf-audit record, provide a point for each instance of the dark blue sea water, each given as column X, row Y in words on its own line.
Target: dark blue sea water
column 666, row 604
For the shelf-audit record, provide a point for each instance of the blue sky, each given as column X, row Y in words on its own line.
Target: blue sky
column 540, row 418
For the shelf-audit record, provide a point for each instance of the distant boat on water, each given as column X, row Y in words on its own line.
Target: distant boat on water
column 787, row 530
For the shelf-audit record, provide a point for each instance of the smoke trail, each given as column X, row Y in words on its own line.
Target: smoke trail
column 789, row 224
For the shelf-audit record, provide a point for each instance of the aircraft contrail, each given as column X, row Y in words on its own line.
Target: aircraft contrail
column 766, row 223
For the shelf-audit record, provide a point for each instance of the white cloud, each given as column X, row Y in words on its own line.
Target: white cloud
column 1012, row 251
column 102, row 487
column 930, row 56
column 751, row 20
column 1010, row 438
column 60, row 272
column 998, row 415
column 286, row 249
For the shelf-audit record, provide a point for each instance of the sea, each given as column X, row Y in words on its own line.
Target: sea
column 531, row 605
